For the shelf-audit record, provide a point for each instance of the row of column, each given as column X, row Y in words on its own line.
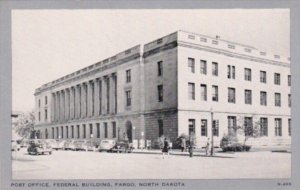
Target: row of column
column 88, row 99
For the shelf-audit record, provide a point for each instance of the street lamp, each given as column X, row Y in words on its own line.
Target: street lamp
column 212, row 132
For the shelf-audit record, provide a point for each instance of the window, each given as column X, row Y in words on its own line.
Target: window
column 160, row 68
column 72, row 131
column 39, row 116
column 191, row 37
column 215, row 71
column 277, row 78
column 191, row 91
column 91, row 130
column 248, row 124
column 46, row 133
column 39, row 103
column 114, row 128
column 160, row 127
column 78, row 131
column 231, row 124
column 263, row 98
column 231, row 95
column 203, row 92
column 203, row 67
column 247, row 74
column 191, row 65
column 84, row 131
column 263, row 76
column 277, row 99
column 290, row 128
column 46, row 100
column 67, row 131
column 128, row 76
column 203, row 39
column 98, row 130
column 105, row 130
column 263, row 126
column 128, row 98
column 216, row 128
column 289, row 80
column 289, row 100
column 62, row 131
column 248, row 97
column 57, row 133
column 204, row 127
column 52, row 132
column 160, row 92
column 278, row 127
column 215, row 94
column 46, row 114
column 230, row 71
column 191, row 126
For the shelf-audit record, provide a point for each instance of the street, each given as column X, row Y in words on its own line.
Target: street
column 96, row 165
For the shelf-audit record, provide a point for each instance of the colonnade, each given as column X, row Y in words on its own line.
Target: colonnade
column 88, row 99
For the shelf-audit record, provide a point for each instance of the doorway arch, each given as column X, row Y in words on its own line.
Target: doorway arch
column 129, row 131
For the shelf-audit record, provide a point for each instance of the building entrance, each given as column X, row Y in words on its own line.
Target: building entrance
column 129, row 131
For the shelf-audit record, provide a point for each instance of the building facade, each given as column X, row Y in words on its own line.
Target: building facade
column 183, row 83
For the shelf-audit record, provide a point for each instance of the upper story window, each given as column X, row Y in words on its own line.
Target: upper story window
column 289, row 100
column 263, row 98
column 39, row 103
column 263, row 76
column 203, row 67
column 248, row 97
column 46, row 100
column 128, row 98
column 46, row 114
column 160, row 93
column 203, row 39
column 128, row 75
column 203, row 92
column 277, row 99
column 191, row 37
column 39, row 116
column 191, row 91
column 289, row 80
column 230, row 71
column 215, row 93
column 231, row 95
column 277, row 78
column 215, row 71
column 191, row 65
column 160, row 68
column 247, row 74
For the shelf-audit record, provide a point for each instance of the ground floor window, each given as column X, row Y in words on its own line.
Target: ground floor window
column 67, row 132
column 278, row 127
column 248, row 126
column 57, row 133
column 91, row 130
column 204, row 127
column 231, row 124
column 98, row 130
column 290, row 127
column 114, row 127
column 263, row 126
column 191, row 126
column 105, row 130
column 46, row 133
column 160, row 127
column 216, row 128
column 72, row 131
column 84, row 131
column 52, row 132
column 78, row 132
column 62, row 132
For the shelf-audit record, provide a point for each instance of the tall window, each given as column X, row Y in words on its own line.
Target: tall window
column 231, row 95
column 263, row 76
column 160, row 93
column 67, row 132
column 215, row 71
column 277, row 78
column 46, row 100
column 57, row 132
column 231, row 124
column 203, row 67
column 46, row 133
column 160, row 68
column 62, row 131
column 91, row 130
column 39, row 116
column 263, row 98
column 160, row 127
column 191, row 91
column 72, row 131
column 78, row 131
column 277, row 99
column 278, row 127
column 39, row 103
column 203, row 92
column 290, row 127
column 248, row 97
column 230, row 71
column 105, row 130
column 289, row 80
column 204, row 127
column 248, row 124
column 215, row 93
column 263, row 126
column 128, row 98
column 191, row 126
column 84, row 131
column 128, row 75
column 52, row 132
column 289, row 100
column 247, row 74
column 114, row 128
column 216, row 128
column 191, row 65
column 98, row 130
column 46, row 114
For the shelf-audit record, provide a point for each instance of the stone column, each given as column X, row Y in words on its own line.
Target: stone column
column 100, row 96
column 89, row 99
column 107, row 95
column 63, row 105
column 71, row 103
column 96, row 97
column 79, row 87
column 83, row 100
column 104, row 95
column 52, row 106
column 112, row 93
column 116, row 93
column 58, row 106
column 67, row 104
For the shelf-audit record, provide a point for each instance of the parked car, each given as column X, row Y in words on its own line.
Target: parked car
column 69, row 145
column 107, row 145
column 81, row 145
column 39, row 147
column 231, row 144
column 57, row 144
column 15, row 145
column 123, row 146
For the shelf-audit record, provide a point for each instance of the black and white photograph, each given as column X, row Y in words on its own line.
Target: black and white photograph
column 150, row 94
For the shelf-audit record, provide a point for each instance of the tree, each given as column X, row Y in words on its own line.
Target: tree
column 24, row 125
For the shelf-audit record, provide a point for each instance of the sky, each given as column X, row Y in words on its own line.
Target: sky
column 48, row 44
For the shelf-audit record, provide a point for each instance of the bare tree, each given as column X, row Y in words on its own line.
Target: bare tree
column 25, row 124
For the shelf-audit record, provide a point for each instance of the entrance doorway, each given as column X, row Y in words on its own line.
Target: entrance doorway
column 129, row 131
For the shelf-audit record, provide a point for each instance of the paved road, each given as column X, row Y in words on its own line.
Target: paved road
column 95, row 165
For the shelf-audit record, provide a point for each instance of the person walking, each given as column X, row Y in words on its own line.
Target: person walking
column 207, row 148
column 165, row 148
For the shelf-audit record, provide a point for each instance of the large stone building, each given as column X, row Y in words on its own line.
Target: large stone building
column 180, row 83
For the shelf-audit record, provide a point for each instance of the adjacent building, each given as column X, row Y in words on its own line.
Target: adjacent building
column 183, row 83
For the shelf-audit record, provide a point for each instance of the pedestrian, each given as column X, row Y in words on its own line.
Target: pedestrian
column 183, row 144
column 165, row 148
column 207, row 147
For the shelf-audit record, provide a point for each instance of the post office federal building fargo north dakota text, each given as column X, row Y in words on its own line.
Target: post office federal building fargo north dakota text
column 183, row 83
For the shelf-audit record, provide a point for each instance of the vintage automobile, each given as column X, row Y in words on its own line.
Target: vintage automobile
column 69, row 145
column 15, row 145
column 81, row 145
column 122, row 146
column 107, row 145
column 37, row 147
column 57, row 144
